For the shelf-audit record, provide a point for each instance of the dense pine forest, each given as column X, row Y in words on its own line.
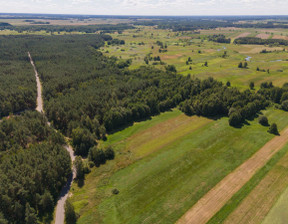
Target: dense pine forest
column 34, row 167
column 17, row 79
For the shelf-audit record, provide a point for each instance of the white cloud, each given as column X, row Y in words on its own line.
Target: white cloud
column 147, row 7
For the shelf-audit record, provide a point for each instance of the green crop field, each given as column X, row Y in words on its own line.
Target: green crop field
column 159, row 182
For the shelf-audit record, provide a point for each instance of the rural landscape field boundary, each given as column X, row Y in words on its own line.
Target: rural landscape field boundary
column 218, row 196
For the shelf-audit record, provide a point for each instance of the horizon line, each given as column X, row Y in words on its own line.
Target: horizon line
column 71, row 14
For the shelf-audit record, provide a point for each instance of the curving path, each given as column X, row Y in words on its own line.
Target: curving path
column 219, row 195
column 60, row 211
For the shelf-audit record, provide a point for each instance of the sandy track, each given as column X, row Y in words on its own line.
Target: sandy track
column 60, row 211
column 39, row 87
column 218, row 196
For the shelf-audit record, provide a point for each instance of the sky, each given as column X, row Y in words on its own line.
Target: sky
column 147, row 7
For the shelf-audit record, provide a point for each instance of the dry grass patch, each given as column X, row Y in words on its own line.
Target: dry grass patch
column 279, row 37
column 243, row 35
column 263, row 36
column 163, row 134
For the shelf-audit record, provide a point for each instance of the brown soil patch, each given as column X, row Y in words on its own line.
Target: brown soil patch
column 184, row 38
column 263, row 36
column 243, row 35
column 218, row 196
column 171, row 56
column 255, row 207
column 250, row 49
column 228, row 28
column 280, row 37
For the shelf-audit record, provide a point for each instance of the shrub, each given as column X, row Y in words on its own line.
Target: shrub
column 235, row 119
column 284, row 105
column 115, row 191
column 263, row 120
column 70, row 215
column 273, row 129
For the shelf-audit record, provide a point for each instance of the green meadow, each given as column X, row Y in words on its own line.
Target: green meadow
column 159, row 182
column 182, row 45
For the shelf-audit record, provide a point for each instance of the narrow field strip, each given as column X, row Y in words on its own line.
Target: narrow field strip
column 218, row 196
column 257, row 204
column 278, row 163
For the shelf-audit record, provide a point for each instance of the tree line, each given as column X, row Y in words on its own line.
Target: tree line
column 259, row 41
column 105, row 28
column 219, row 38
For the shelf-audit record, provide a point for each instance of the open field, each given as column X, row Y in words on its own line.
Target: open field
column 218, row 196
column 181, row 46
column 170, row 177
column 260, row 200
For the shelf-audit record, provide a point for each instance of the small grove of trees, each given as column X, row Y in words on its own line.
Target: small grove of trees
column 82, row 141
column 219, row 100
column 100, row 156
column 241, row 65
column 116, row 42
column 219, row 38
column 263, row 120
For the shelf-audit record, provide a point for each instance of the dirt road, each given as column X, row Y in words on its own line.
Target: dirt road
column 39, row 87
column 60, row 211
column 218, row 196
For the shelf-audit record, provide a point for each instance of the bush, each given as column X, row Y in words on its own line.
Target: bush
column 235, row 119
column 78, row 163
column 273, row 129
column 115, row 191
column 70, row 215
column 109, row 153
column 263, row 120
column 98, row 156
column 284, row 105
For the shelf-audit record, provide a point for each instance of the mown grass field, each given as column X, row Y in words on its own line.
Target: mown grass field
column 278, row 213
column 254, row 200
column 164, row 165
column 187, row 44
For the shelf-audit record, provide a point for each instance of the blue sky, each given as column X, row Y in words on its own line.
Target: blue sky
column 147, row 7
